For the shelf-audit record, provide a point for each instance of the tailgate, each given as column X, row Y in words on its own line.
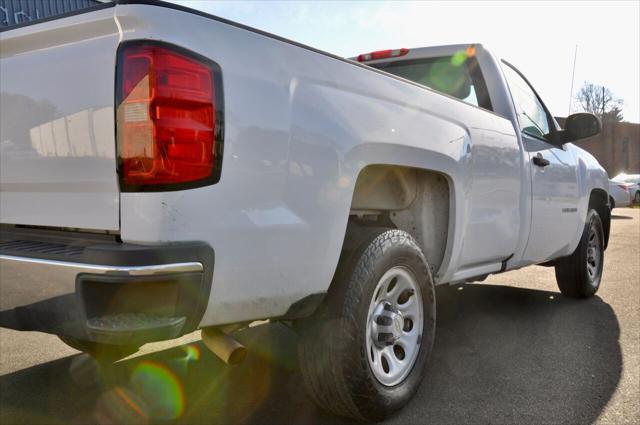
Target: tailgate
column 57, row 132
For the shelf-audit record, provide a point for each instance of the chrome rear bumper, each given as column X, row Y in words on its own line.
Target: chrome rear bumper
column 103, row 291
column 29, row 280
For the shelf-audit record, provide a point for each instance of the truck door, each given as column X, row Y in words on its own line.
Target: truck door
column 554, row 178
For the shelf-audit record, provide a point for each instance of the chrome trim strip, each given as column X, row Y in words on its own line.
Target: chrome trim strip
column 76, row 268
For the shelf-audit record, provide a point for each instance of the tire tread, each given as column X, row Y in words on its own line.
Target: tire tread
column 334, row 380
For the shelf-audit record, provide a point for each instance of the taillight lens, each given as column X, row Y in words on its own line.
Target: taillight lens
column 169, row 118
column 623, row 187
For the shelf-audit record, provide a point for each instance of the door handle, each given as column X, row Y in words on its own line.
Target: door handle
column 540, row 161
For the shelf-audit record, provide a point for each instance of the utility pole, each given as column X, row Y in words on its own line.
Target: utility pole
column 573, row 77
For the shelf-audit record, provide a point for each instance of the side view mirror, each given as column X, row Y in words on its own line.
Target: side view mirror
column 580, row 126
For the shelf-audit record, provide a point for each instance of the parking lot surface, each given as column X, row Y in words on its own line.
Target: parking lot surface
column 508, row 350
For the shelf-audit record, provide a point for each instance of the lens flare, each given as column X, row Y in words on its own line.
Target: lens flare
column 471, row 51
column 458, row 58
column 180, row 365
column 121, row 405
column 192, row 352
column 160, row 388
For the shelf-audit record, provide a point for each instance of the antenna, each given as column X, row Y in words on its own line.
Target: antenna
column 573, row 76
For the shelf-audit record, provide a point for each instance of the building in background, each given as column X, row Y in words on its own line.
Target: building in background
column 617, row 147
column 16, row 12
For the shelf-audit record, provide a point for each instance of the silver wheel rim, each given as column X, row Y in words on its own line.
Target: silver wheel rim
column 594, row 256
column 394, row 326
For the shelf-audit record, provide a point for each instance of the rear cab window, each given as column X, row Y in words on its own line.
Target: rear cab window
column 457, row 75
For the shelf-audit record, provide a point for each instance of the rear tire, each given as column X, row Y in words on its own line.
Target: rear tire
column 364, row 352
column 636, row 198
column 579, row 274
column 612, row 203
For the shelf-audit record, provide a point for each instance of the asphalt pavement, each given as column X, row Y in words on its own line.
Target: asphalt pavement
column 508, row 350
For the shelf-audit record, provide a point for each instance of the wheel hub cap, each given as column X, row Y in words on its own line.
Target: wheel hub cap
column 394, row 326
column 387, row 326
column 593, row 252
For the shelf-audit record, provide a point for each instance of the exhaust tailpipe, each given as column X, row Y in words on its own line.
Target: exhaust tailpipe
column 222, row 345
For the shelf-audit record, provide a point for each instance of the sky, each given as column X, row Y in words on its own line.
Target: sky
column 539, row 38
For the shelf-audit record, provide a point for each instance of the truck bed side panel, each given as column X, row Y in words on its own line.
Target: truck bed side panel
column 299, row 128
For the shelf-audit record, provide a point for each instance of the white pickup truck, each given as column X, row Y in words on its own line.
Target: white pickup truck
column 141, row 138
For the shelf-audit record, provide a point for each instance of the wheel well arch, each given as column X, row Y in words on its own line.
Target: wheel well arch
column 599, row 201
column 415, row 200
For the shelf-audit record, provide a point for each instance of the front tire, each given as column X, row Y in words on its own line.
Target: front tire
column 579, row 274
column 636, row 198
column 364, row 353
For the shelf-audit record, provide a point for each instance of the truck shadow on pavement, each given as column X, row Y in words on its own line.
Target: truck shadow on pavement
column 502, row 355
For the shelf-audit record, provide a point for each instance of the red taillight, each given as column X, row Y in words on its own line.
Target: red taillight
column 167, row 129
column 623, row 187
column 382, row 54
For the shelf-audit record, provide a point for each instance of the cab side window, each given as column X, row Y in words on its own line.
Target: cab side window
column 532, row 116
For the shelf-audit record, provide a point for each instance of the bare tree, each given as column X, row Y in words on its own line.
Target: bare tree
column 613, row 115
column 600, row 101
